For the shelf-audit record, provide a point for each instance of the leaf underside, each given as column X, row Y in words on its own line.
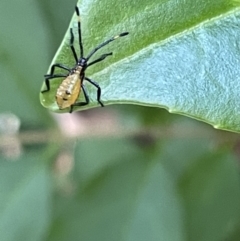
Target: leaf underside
column 179, row 55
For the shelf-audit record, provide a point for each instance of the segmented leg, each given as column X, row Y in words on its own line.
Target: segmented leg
column 101, row 58
column 60, row 66
column 98, row 90
column 49, row 77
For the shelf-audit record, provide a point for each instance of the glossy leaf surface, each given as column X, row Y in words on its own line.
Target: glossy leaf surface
column 180, row 55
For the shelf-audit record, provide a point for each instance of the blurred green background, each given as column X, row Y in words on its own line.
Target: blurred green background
column 113, row 173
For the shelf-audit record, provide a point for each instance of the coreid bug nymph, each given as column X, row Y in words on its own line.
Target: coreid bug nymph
column 70, row 88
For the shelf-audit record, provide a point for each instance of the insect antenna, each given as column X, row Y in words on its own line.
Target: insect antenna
column 79, row 32
column 105, row 43
column 72, row 47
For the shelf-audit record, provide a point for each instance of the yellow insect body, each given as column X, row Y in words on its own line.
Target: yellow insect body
column 69, row 90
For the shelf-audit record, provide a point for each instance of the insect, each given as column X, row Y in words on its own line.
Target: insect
column 72, row 84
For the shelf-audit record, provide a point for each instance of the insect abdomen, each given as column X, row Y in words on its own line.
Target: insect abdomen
column 68, row 91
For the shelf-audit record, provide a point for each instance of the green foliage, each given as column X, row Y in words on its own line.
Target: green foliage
column 180, row 55
column 156, row 176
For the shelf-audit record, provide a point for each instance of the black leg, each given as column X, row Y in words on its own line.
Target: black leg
column 81, row 103
column 99, row 59
column 98, row 90
column 79, row 32
column 60, row 66
column 72, row 47
column 48, row 77
column 105, row 43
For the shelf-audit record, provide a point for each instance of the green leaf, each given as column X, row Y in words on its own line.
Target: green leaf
column 185, row 192
column 25, row 198
column 23, row 60
column 180, row 55
column 131, row 198
column 210, row 213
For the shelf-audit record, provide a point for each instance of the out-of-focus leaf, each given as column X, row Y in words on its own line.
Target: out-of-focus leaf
column 139, row 196
column 25, row 199
column 23, row 58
